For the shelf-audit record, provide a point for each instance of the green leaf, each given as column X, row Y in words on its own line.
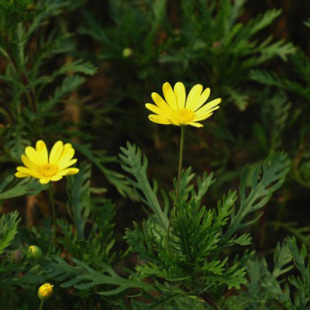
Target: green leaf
column 27, row 186
column 299, row 257
column 136, row 164
column 16, row 142
column 83, row 277
column 99, row 159
column 69, row 84
column 257, row 184
column 78, row 66
column 79, row 204
column 8, row 229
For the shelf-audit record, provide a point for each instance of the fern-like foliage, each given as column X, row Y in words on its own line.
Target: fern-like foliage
column 210, row 39
column 8, row 229
column 9, row 188
column 136, row 164
column 301, row 283
column 16, row 142
column 11, row 13
column 32, row 93
column 92, row 245
column 79, row 204
column 273, row 79
column 100, row 159
column 257, row 184
column 81, row 276
column 191, row 249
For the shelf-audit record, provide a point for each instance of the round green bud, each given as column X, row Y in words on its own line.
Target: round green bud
column 127, row 52
column 34, row 252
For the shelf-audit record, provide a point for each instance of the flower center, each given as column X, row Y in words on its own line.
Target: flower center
column 184, row 116
column 48, row 170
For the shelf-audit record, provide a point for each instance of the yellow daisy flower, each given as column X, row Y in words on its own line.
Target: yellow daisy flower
column 47, row 168
column 178, row 110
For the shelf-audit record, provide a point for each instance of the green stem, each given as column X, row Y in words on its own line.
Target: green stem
column 176, row 196
column 41, row 304
column 180, row 163
column 52, row 205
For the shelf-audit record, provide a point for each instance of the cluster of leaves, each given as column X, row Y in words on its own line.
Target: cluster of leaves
column 189, row 252
column 183, row 247
column 188, row 248
column 34, row 102
column 207, row 41
column 299, row 87
column 88, row 251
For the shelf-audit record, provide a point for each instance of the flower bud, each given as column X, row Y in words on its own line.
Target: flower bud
column 127, row 52
column 16, row 256
column 45, row 291
column 34, row 252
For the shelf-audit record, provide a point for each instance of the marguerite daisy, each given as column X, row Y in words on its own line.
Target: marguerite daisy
column 178, row 110
column 46, row 168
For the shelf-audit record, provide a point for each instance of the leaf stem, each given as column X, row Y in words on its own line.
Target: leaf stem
column 52, row 205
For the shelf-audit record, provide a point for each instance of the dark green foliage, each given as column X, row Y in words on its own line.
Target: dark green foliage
column 8, row 229
column 190, row 251
column 79, row 199
column 209, row 43
column 84, row 277
column 80, row 72
column 99, row 159
column 134, row 163
column 26, row 186
column 258, row 182
column 13, row 12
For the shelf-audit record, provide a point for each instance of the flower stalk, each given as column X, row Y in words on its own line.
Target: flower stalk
column 41, row 304
column 180, row 163
column 176, row 196
column 52, row 205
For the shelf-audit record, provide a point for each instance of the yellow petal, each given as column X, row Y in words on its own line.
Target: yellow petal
column 196, row 124
column 42, row 152
column 28, row 163
column 56, row 152
column 67, row 154
column 161, row 103
column 33, row 155
column 209, row 106
column 66, row 164
column 193, row 97
column 159, row 119
column 68, row 171
column 202, row 117
column 203, row 98
column 44, row 180
column 169, row 96
column 21, row 175
column 154, row 108
column 180, row 94
column 29, row 172
column 56, row 177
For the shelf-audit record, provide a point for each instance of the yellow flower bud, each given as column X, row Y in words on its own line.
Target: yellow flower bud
column 34, row 252
column 45, row 291
column 127, row 52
